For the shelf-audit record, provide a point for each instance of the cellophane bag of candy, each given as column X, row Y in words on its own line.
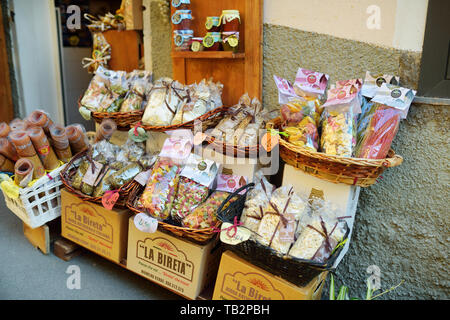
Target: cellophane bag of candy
column 205, row 215
column 197, row 177
column 161, row 189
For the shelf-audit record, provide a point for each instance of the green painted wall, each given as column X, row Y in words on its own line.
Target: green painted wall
column 402, row 222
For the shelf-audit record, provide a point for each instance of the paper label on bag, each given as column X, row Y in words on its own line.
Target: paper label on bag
column 373, row 82
column 311, row 81
column 395, row 97
column 202, row 171
column 285, row 90
column 230, row 183
column 233, row 235
column 90, row 177
column 286, row 233
column 143, row 177
column 145, row 223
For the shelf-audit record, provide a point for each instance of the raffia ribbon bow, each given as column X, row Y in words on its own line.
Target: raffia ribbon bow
column 99, row 58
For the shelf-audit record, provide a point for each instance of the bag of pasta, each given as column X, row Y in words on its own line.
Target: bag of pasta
column 196, row 179
column 119, row 86
column 199, row 105
column 339, row 121
column 381, row 123
column 205, row 215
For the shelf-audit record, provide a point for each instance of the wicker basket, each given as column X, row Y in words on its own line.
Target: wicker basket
column 40, row 203
column 124, row 120
column 208, row 120
column 297, row 271
column 200, row 236
column 337, row 169
column 71, row 168
column 232, row 149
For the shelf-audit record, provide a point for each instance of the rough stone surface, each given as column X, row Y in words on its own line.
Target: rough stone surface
column 161, row 43
column 402, row 223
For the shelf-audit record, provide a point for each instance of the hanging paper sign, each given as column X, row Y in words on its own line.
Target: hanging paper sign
column 145, row 223
column 109, row 199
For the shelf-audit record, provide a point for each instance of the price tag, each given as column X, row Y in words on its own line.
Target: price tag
column 269, row 141
column 233, row 235
column 109, row 199
column 145, row 223
column 143, row 177
column 89, row 177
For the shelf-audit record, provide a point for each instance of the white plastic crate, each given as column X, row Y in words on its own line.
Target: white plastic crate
column 40, row 203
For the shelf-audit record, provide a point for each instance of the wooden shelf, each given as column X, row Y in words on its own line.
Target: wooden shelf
column 208, row 55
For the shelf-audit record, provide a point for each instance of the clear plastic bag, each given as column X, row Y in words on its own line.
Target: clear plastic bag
column 135, row 97
column 323, row 230
column 338, row 132
column 165, row 98
column 161, row 189
column 279, row 224
column 257, row 200
column 377, row 132
column 300, row 122
column 190, row 194
column 199, row 105
column 97, row 96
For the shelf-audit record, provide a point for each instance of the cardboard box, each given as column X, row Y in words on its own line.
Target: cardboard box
column 179, row 265
column 342, row 195
column 92, row 226
column 238, row 279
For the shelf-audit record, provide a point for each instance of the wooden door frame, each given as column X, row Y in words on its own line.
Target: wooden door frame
column 6, row 101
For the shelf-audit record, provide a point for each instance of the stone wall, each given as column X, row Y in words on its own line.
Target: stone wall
column 402, row 222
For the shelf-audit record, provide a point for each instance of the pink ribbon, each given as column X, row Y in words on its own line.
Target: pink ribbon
column 136, row 133
column 233, row 227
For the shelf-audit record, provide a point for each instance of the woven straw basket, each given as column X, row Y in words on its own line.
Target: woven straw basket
column 123, row 120
column 337, row 169
column 200, row 236
column 71, row 168
column 208, row 120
